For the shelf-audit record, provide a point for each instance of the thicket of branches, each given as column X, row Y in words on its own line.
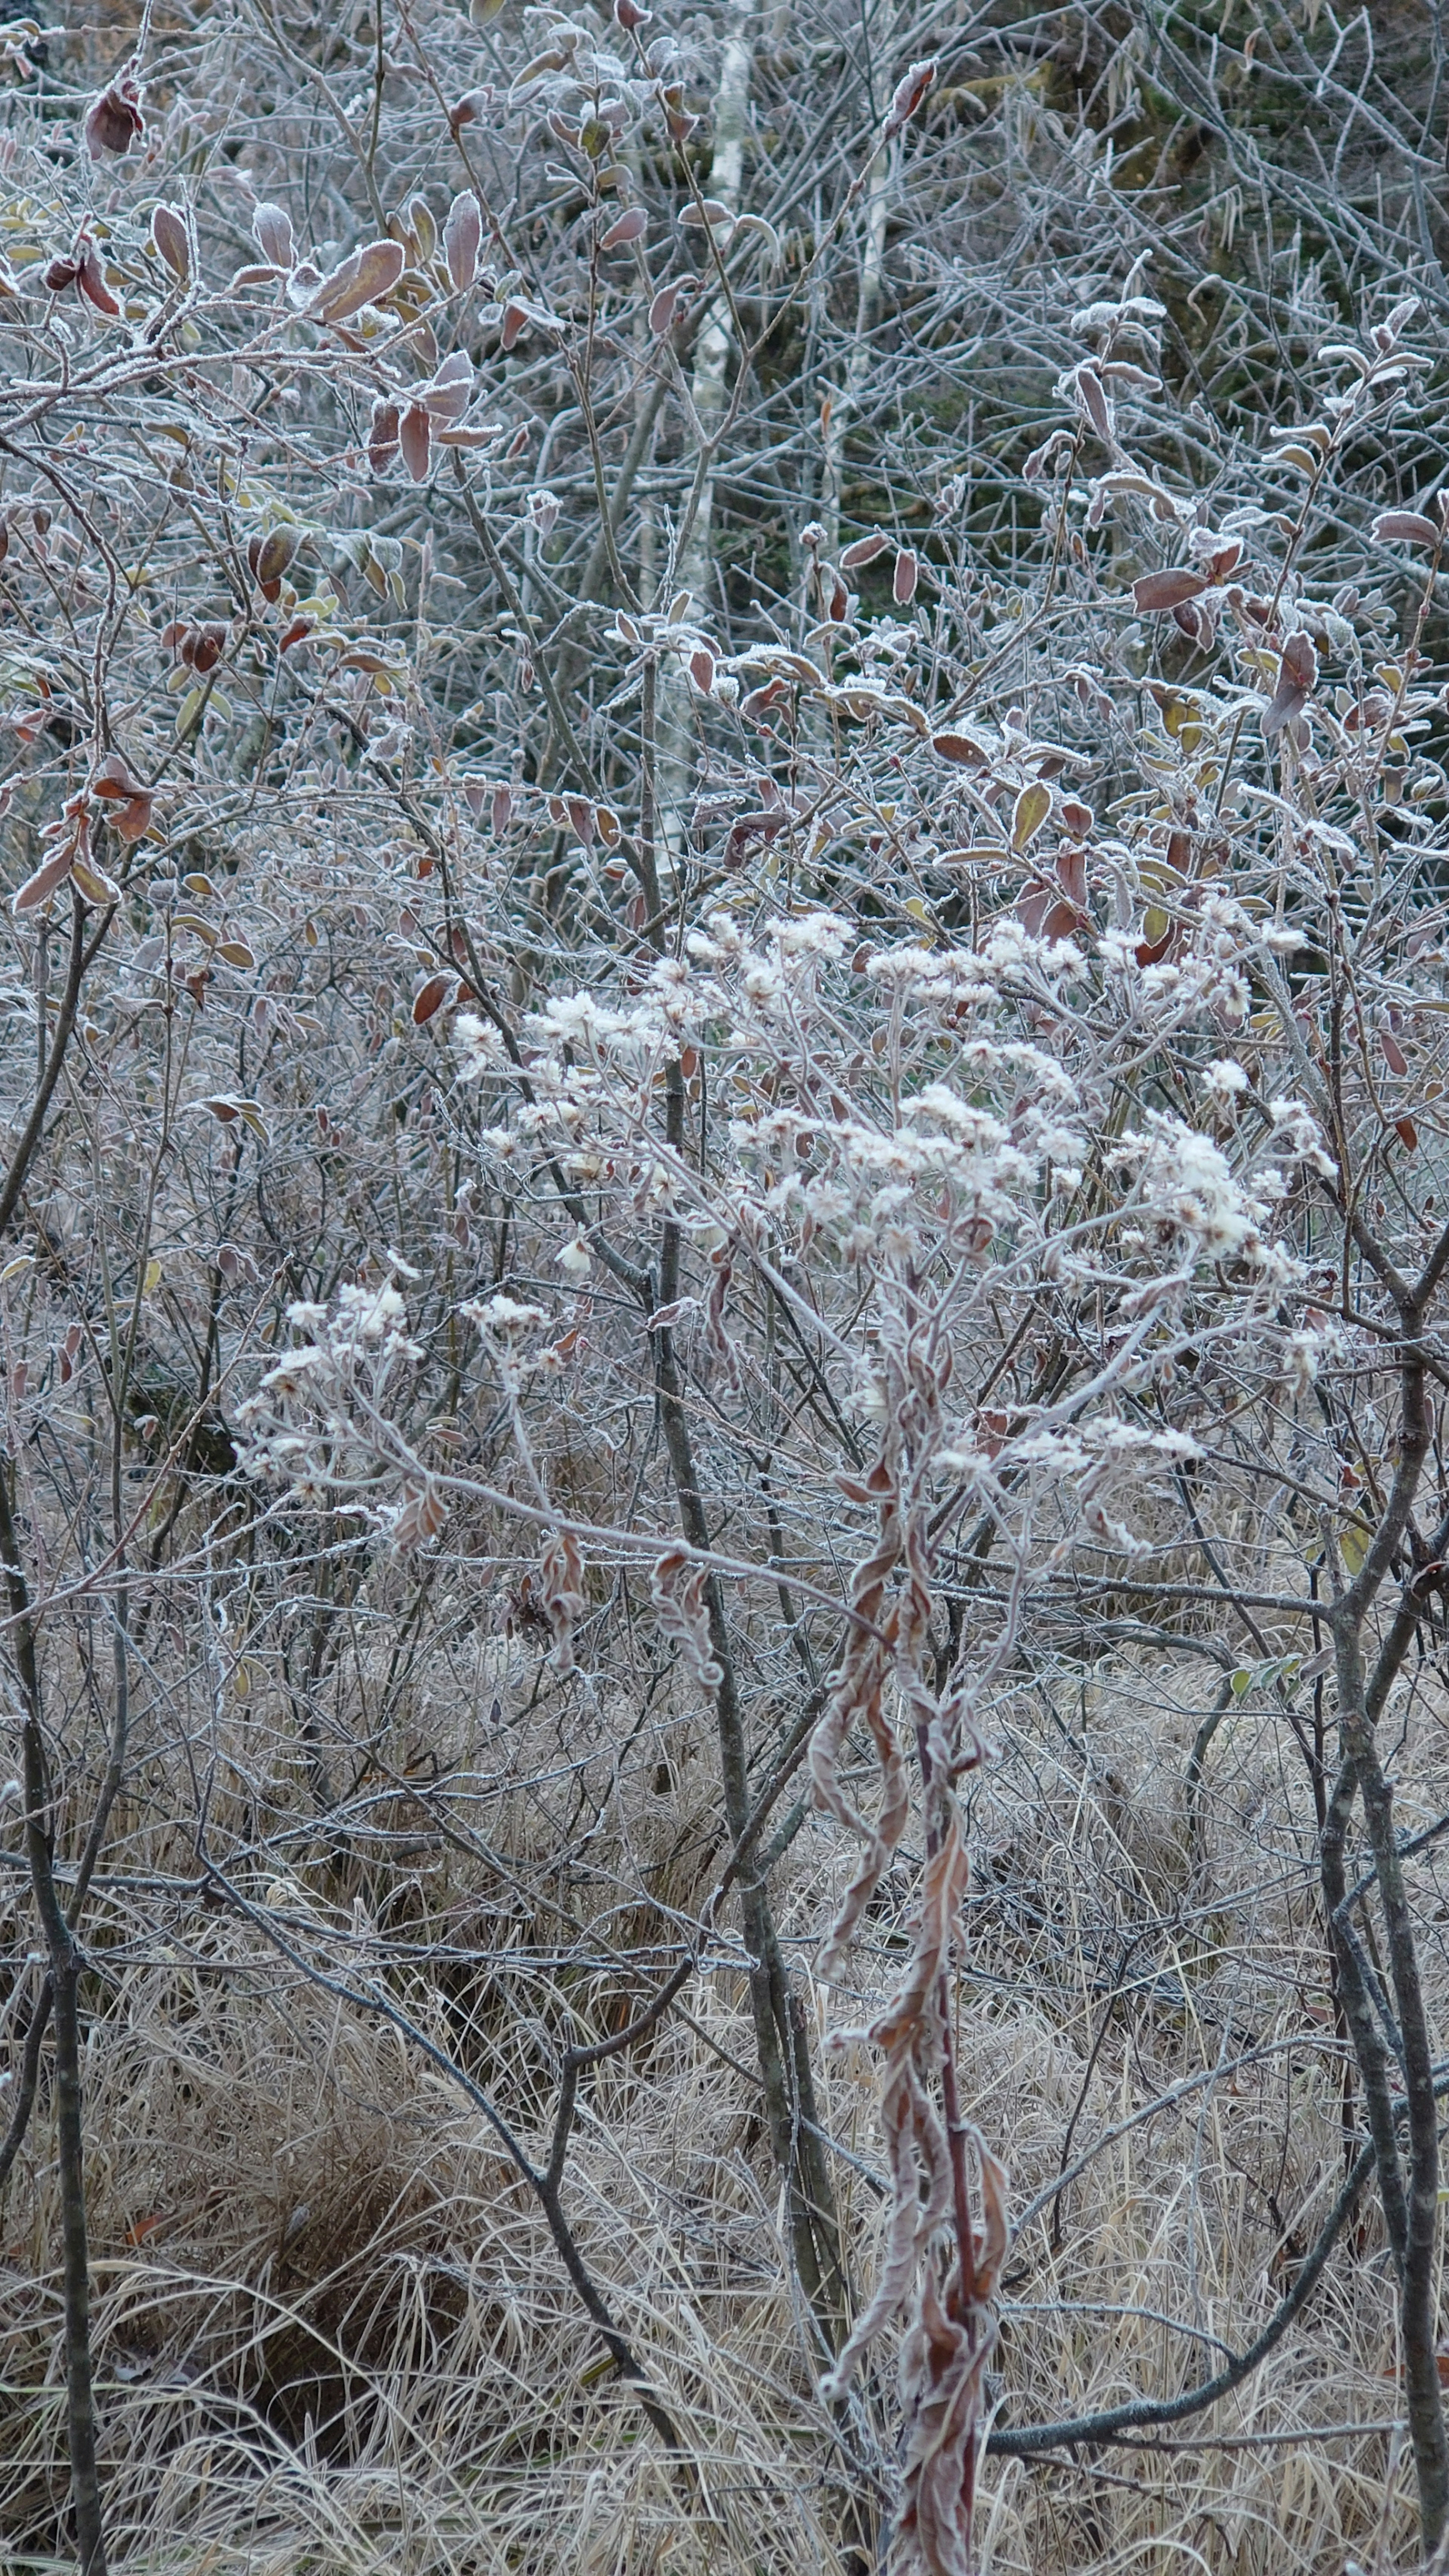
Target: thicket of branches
column 723, row 1288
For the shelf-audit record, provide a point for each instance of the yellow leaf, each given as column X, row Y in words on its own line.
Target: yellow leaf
column 153, row 1278
column 1354, row 1542
column 1032, row 808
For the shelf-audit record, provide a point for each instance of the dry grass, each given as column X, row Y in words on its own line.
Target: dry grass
column 334, row 2334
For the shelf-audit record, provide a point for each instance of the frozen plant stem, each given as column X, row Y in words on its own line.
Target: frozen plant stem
column 64, row 1984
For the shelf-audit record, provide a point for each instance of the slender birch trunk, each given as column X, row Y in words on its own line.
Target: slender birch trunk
column 709, row 391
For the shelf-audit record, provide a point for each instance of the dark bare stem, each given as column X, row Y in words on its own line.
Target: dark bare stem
column 64, row 1982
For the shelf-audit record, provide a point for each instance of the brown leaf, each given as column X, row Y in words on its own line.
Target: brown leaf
column 113, row 119
column 1297, row 672
column 369, row 273
column 382, row 435
column 864, row 550
column 462, row 238
column 52, row 872
column 430, row 998
column 1159, row 590
column 414, row 434
column 272, row 228
column 168, row 232
column 1406, row 527
column 90, row 277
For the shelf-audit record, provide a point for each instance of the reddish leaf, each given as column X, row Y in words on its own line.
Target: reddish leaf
column 662, row 310
column 168, row 232
column 113, row 119
column 1297, row 672
column 1092, row 395
column 414, row 432
column 760, row 701
column 903, row 586
column 864, row 551
column 430, row 998
column 514, row 318
column 1160, row 590
column 274, row 556
column 958, row 748
column 272, row 228
column 628, row 227
column 52, row 872
column 90, row 277
column 1407, row 1133
column 114, row 779
column 1394, row 1056
column 701, row 670
column 909, row 94
column 382, row 435
column 369, row 273
column 1072, row 873
column 446, row 398
column 1406, row 527
column 462, row 239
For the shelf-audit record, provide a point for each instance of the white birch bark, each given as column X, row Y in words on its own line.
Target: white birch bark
column 709, row 391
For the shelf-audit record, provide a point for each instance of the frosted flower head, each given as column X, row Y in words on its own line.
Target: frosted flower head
column 1225, row 1083
column 478, row 1044
column 504, row 1315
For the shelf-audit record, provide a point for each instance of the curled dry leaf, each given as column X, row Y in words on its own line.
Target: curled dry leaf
column 677, row 1588
column 910, row 93
column 422, row 1516
column 113, row 119
column 228, row 1107
column 131, row 802
column 1297, row 672
column 564, row 1598
column 1406, row 527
